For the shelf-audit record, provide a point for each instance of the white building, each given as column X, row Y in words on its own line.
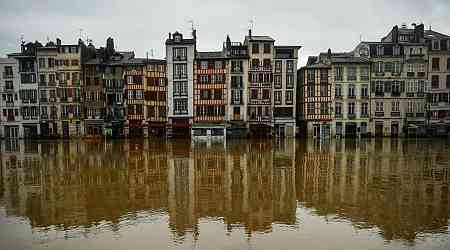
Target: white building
column 10, row 117
column 180, row 55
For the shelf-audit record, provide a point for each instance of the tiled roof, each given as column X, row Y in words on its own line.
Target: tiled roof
column 259, row 38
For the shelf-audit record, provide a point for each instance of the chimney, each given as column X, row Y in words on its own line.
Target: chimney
column 170, row 35
column 414, row 25
column 194, row 34
column 250, row 33
column 228, row 42
column 395, row 34
column 329, row 53
column 58, row 41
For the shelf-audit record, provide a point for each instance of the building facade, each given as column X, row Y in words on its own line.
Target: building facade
column 134, row 91
column 210, row 95
column 11, row 120
column 260, row 88
column 236, row 85
column 156, row 97
column 180, row 56
column 28, row 91
column 284, row 95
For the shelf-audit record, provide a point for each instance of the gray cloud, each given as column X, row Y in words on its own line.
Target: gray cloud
column 142, row 25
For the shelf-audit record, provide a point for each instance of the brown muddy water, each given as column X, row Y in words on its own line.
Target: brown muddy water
column 288, row 194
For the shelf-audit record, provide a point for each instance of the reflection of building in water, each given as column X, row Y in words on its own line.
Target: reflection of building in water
column 381, row 183
column 85, row 183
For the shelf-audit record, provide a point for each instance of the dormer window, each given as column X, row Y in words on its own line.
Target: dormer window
column 436, row 45
column 177, row 38
column 380, row 50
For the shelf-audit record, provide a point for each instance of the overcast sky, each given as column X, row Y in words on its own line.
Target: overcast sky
column 144, row 24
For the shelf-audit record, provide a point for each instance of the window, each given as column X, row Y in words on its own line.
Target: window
column 364, row 91
column 51, row 62
column 236, row 67
column 180, row 106
column 205, row 94
column 436, row 45
column 204, row 79
column 435, row 82
column 289, row 81
column 311, row 91
column 448, row 64
column 267, row 64
column 379, row 67
column 179, row 53
column 42, row 79
column 75, row 62
column 388, row 66
column 338, row 109
column 397, row 67
column 218, row 94
column 351, row 91
column 180, row 88
column 396, row 106
column 218, row 65
column 289, row 96
column 379, row 88
column 410, row 67
column 364, row 73
column 204, row 65
column 277, row 97
column 364, row 109
column 351, row 108
column 41, row 62
column 395, row 88
column 435, row 64
column 396, row 50
column 266, row 94
column 255, row 48
column 351, row 74
column 323, row 90
column 278, row 66
column 267, row 48
column 310, row 76
column 255, row 63
column 421, row 87
column 180, row 71
column 448, row 82
column 290, row 66
column 8, row 72
column 324, row 108
column 338, row 74
column 311, row 108
column 254, row 94
column 277, row 81
column 380, row 50
column 236, row 95
column 338, row 91
column 379, row 107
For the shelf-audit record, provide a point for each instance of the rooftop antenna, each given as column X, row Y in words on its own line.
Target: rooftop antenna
column 151, row 53
column 192, row 24
column 360, row 37
column 251, row 24
column 81, row 32
column 48, row 39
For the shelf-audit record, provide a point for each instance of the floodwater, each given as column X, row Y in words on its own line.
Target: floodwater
column 288, row 194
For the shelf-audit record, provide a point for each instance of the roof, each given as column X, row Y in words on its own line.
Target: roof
column 260, row 38
column 210, row 55
column 287, row 47
column 8, row 60
column 433, row 34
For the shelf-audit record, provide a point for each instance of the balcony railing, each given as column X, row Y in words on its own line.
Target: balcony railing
column 379, row 114
column 351, row 116
column 395, row 114
column 9, row 104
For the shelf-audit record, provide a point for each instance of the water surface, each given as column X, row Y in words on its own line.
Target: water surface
column 288, row 194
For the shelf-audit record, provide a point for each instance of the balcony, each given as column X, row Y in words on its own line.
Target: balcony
column 43, row 100
column 42, row 84
column 379, row 73
column 364, row 115
column 395, row 93
column 263, row 68
column 338, row 115
column 421, row 74
column 44, row 116
column 351, row 116
column 379, row 114
column 9, row 104
column 409, row 94
column 420, row 115
column 179, row 58
column 7, row 75
column 236, row 102
column 10, row 118
column 351, row 97
column 409, row 114
column 410, row 74
column 237, row 70
column 395, row 114
column 381, row 94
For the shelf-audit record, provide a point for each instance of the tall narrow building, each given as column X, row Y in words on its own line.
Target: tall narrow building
column 48, row 100
column 155, row 97
column 260, row 88
column 29, row 87
column 236, row 84
column 134, row 73
column 210, row 95
column 69, row 90
column 180, row 56
column 284, row 93
column 11, row 119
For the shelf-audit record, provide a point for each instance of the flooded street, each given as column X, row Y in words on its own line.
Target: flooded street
column 289, row 194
